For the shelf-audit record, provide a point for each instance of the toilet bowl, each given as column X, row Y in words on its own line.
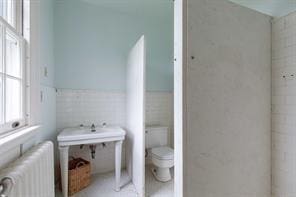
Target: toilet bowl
column 163, row 160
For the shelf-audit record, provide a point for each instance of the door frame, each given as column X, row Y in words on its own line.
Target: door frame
column 180, row 62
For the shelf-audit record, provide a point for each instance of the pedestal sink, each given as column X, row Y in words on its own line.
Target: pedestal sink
column 84, row 135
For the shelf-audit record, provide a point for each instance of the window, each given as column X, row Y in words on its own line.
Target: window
column 11, row 12
column 12, row 69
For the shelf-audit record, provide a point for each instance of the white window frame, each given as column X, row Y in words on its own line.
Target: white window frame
column 14, row 124
column 17, row 7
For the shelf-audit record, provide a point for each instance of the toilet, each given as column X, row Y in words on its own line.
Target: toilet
column 162, row 155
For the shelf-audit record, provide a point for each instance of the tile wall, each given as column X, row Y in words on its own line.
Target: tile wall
column 75, row 107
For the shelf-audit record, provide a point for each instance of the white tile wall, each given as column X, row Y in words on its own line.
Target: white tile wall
column 75, row 107
column 284, row 106
column 159, row 111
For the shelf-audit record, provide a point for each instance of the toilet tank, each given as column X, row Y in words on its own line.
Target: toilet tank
column 156, row 136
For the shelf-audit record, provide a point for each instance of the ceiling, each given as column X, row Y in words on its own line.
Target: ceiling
column 163, row 8
column 275, row 8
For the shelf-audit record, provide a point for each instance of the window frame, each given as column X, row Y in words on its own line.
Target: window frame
column 10, row 126
column 17, row 7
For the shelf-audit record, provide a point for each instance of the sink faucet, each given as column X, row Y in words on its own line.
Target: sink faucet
column 93, row 128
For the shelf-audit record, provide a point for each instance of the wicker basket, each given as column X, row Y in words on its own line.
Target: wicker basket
column 79, row 175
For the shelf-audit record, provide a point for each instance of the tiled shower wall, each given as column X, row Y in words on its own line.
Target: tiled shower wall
column 75, row 107
column 284, row 106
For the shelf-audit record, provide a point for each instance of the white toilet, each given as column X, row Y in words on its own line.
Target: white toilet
column 162, row 155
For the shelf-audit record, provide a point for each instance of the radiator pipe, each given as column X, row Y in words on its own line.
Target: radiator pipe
column 5, row 187
column 93, row 151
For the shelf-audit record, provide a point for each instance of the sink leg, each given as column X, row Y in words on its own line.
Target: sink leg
column 118, row 149
column 64, row 152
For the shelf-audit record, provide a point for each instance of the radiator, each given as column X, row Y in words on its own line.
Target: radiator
column 32, row 175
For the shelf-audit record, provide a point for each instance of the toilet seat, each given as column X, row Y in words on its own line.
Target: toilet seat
column 163, row 153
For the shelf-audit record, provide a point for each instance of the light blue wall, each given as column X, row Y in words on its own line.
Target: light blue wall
column 48, row 103
column 47, row 41
column 92, row 43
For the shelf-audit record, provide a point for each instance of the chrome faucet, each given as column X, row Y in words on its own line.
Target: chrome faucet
column 93, row 128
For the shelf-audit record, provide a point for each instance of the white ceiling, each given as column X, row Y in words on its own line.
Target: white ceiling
column 162, row 8
column 276, row 8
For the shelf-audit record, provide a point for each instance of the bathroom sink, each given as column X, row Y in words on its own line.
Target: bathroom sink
column 85, row 133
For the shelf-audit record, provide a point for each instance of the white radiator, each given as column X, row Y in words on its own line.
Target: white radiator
column 32, row 175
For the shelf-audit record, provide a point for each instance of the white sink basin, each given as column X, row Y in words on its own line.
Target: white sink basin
column 78, row 133
column 83, row 135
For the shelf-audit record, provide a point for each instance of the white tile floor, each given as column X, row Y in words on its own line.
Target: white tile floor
column 103, row 184
column 155, row 188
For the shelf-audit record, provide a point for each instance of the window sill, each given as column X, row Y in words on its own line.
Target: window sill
column 17, row 137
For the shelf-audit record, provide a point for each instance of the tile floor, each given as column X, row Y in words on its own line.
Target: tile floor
column 158, row 189
column 103, row 184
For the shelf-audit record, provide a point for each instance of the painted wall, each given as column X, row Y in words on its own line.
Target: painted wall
column 44, row 33
column 47, row 42
column 48, row 100
column 47, row 75
column 91, row 47
column 228, row 101
column 284, row 106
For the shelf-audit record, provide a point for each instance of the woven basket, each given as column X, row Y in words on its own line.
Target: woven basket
column 79, row 175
